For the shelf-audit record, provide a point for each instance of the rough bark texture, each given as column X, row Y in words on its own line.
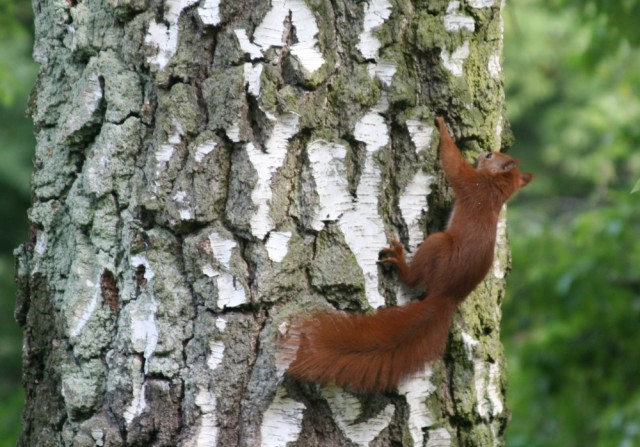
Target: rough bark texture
column 205, row 171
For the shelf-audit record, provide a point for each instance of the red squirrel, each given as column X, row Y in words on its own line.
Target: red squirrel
column 374, row 352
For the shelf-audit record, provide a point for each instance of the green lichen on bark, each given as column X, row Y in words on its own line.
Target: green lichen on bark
column 342, row 286
column 428, row 32
column 223, row 92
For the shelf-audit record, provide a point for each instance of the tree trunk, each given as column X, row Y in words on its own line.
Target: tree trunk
column 206, row 171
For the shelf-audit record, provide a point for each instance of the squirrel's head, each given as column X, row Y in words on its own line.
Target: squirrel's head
column 495, row 163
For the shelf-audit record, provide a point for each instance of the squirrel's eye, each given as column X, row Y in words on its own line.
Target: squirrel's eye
column 489, row 156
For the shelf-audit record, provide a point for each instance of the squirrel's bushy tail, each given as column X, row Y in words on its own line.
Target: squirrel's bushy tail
column 369, row 352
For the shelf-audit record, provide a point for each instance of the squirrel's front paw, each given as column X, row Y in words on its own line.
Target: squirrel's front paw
column 395, row 252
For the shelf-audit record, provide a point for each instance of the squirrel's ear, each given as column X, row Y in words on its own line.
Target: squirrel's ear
column 525, row 178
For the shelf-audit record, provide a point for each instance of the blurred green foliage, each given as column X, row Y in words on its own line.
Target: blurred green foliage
column 610, row 22
column 17, row 77
column 570, row 319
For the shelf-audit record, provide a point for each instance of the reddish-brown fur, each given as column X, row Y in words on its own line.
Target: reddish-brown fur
column 374, row 352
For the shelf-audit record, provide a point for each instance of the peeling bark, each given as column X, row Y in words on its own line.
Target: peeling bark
column 204, row 172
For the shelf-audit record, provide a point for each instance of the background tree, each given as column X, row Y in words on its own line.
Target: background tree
column 205, row 171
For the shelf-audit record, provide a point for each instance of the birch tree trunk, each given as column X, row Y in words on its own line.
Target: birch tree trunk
column 207, row 170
